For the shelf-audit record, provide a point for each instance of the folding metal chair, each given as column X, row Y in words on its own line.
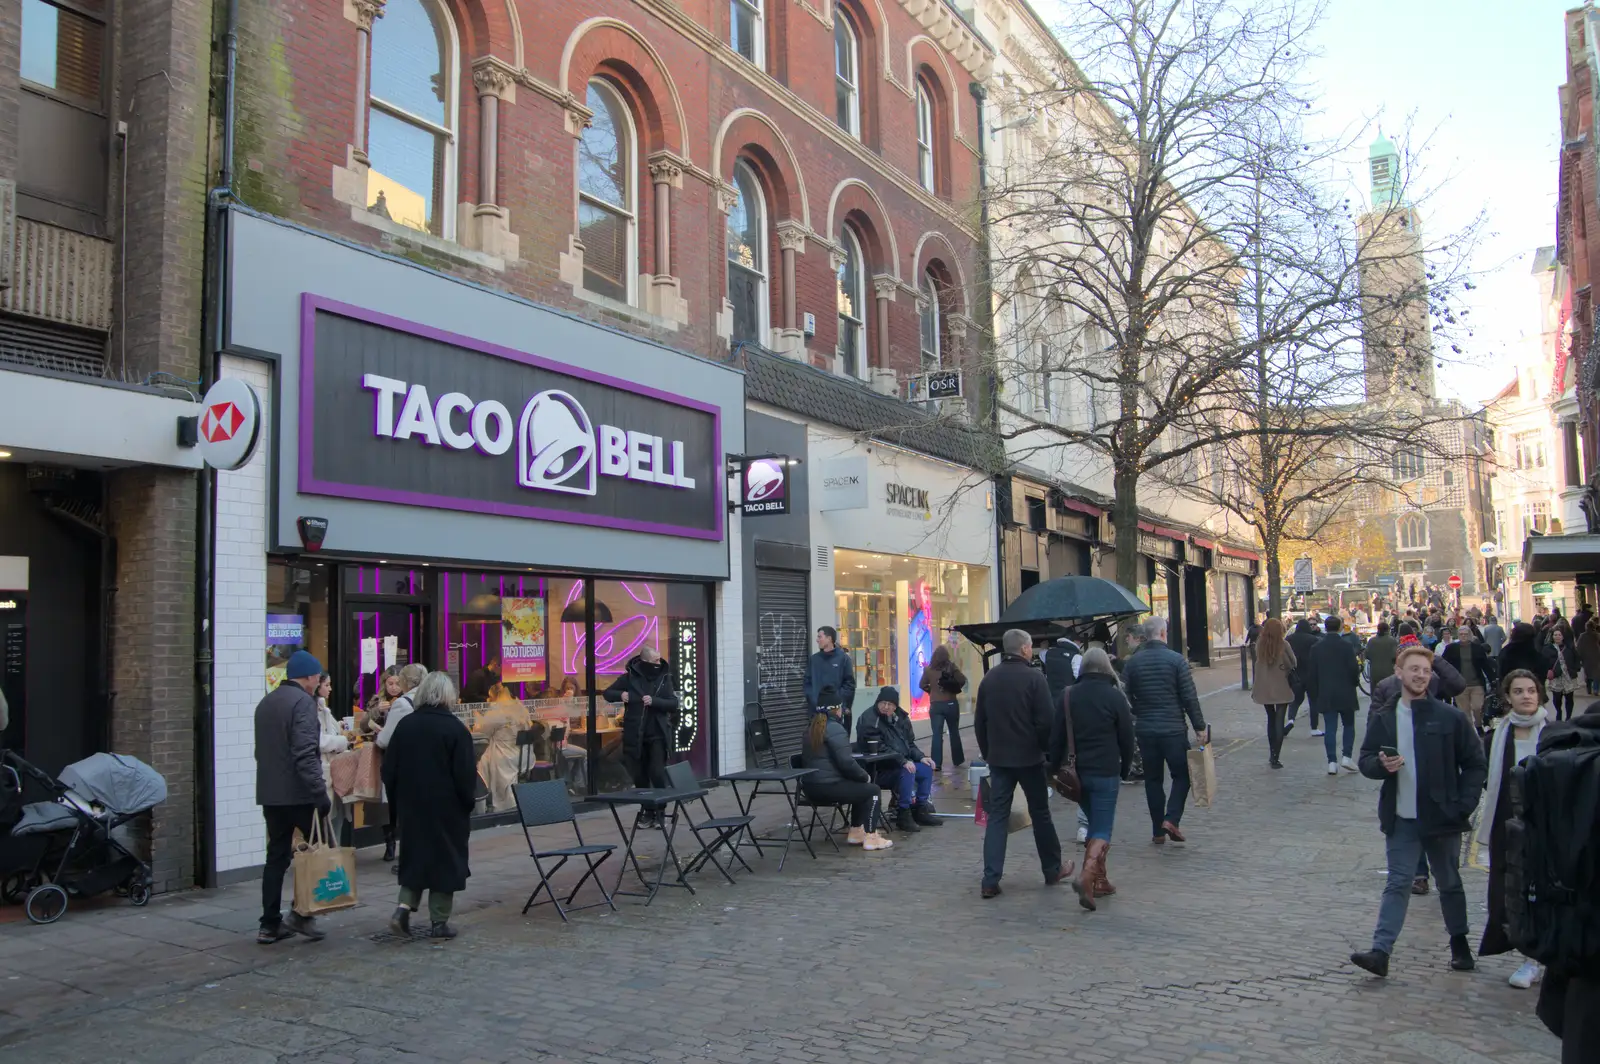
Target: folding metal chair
column 759, row 738
column 809, row 830
column 545, row 803
column 725, row 830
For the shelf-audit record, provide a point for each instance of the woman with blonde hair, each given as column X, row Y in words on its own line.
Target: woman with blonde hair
column 499, row 724
column 1274, row 690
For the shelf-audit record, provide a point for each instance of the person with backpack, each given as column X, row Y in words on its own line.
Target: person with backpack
column 943, row 680
column 1433, row 769
column 1553, row 877
column 1515, row 738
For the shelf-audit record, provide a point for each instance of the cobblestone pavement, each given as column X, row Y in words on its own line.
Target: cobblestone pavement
column 1230, row 948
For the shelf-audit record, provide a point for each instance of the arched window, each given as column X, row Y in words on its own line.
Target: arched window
column 924, row 136
column 745, row 31
column 607, row 195
column 852, row 305
column 932, row 323
column 747, row 256
column 846, row 73
column 411, row 140
column 1412, row 532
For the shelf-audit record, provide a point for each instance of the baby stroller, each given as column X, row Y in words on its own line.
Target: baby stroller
column 64, row 846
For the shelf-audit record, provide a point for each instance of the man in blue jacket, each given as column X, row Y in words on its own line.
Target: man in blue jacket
column 1161, row 693
column 831, row 667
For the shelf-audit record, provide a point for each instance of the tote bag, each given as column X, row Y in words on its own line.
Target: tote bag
column 1202, row 777
column 324, row 874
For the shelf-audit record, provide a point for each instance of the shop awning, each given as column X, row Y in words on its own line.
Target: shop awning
column 1560, row 557
column 1235, row 552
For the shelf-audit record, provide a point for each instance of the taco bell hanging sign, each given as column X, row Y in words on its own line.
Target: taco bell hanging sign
column 764, row 484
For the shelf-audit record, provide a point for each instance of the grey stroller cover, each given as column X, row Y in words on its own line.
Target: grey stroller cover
column 40, row 818
column 122, row 784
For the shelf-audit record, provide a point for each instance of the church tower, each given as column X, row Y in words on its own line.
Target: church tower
column 1396, row 334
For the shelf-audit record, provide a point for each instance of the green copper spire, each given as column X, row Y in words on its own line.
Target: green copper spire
column 1384, row 161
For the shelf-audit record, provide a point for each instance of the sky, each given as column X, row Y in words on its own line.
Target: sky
column 1475, row 82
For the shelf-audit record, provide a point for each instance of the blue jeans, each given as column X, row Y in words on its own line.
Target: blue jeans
column 1173, row 752
column 1405, row 847
column 1003, row 784
column 946, row 715
column 908, row 787
column 1100, row 803
column 1330, row 721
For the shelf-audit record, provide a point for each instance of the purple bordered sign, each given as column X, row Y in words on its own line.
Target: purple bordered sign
column 764, row 484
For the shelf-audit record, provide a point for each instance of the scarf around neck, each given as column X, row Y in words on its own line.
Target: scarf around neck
column 1497, row 760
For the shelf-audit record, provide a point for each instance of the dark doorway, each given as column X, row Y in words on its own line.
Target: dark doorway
column 1197, row 627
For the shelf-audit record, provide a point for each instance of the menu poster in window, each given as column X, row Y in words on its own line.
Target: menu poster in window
column 919, row 642
column 369, row 655
column 391, row 649
column 522, row 640
column 286, row 633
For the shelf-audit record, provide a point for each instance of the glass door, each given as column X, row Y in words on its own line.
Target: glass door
column 379, row 636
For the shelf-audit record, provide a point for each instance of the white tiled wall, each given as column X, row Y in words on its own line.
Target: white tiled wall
column 239, row 630
column 730, row 656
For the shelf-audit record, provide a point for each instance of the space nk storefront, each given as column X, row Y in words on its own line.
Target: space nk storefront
column 458, row 478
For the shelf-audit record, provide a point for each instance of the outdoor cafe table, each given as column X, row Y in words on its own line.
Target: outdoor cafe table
column 662, row 798
column 787, row 781
column 873, row 763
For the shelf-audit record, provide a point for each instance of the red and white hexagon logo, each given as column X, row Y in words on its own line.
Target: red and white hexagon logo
column 220, row 422
column 230, row 423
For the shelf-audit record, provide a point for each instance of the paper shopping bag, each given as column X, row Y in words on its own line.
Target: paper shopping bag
column 1018, row 819
column 324, row 874
column 1202, row 777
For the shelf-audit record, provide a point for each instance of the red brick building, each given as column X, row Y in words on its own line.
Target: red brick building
column 840, row 138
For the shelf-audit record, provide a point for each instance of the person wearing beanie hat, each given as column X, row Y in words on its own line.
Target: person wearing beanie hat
column 289, row 786
column 911, row 779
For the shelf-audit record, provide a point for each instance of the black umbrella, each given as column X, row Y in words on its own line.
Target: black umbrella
column 1073, row 598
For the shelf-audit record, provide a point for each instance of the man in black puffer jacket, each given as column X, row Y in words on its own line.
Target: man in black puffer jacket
column 1161, row 691
column 1301, row 640
column 911, row 778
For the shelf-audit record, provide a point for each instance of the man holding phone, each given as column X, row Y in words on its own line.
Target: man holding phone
column 1433, row 769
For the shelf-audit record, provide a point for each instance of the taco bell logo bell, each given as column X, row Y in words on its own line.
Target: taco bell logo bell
column 559, row 447
column 766, row 486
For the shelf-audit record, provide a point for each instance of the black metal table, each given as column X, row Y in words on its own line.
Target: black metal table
column 788, row 783
column 662, row 799
column 872, row 762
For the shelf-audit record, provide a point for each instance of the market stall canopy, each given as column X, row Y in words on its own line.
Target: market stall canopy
column 1066, row 607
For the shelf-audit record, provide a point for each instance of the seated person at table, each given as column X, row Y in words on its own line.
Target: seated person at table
column 838, row 778
column 912, row 778
column 499, row 725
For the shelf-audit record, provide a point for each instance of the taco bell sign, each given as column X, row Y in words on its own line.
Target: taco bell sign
column 765, row 483
column 391, row 411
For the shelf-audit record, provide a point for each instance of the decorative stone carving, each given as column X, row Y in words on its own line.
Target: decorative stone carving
column 495, row 77
column 727, row 197
column 363, row 12
column 957, row 324
column 667, row 168
column 792, row 237
column 885, row 287
column 577, row 117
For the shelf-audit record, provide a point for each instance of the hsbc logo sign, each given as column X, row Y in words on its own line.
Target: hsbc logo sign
column 230, row 423
column 559, row 448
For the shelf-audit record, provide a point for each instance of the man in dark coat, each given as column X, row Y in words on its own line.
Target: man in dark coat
column 910, row 778
column 1011, row 721
column 1059, row 666
column 289, row 787
column 831, row 667
column 1333, row 679
column 650, row 725
column 1433, row 769
column 431, row 778
column 1165, row 704
column 1301, row 640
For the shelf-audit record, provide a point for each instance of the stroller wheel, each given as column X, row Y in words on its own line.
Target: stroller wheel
column 15, row 887
column 46, row 904
column 139, row 894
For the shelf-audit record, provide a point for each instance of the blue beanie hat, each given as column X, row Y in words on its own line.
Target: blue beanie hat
column 302, row 663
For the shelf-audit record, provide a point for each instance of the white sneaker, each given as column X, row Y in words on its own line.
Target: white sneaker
column 1316, row 731
column 1349, row 764
column 1083, row 836
column 1526, row 976
column 1333, row 768
column 874, row 841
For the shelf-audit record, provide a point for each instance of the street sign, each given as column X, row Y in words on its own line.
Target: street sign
column 1511, row 569
column 1544, row 589
column 230, row 424
column 1455, row 581
column 1388, row 581
column 1304, row 575
column 1488, row 549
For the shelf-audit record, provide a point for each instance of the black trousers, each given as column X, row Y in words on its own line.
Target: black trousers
column 649, row 769
column 1276, row 716
column 861, row 796
column 282, row 820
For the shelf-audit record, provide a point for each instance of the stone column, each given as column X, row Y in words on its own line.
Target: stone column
column 791, row 339
column 665, row 297
column 486, row 225
column 363, row 13
column 884, row 287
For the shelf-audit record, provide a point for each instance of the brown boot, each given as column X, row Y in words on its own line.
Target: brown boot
column 1102, row 885
column 1089, row 878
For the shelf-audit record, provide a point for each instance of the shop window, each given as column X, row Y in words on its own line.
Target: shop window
column 297, row 619
column 745, row 32
column 924, row 136
column 607, row 195
column 411, row 138
column 846, row 73
column 747, row 256
column 852, row 292
column 62, row 157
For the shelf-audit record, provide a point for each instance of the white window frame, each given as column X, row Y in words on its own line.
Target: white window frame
column 842, row 23
column 450, row 72
column 852, row 246
column 761, row 270
column 925, row 166
column 757, row 9
column 630, row 187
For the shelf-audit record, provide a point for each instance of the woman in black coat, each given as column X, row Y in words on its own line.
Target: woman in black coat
column 431, row 777
column 650, row 725
column 1102, row 736
column 1522, row 651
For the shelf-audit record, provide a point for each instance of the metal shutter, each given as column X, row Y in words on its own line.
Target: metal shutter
column 783, row 646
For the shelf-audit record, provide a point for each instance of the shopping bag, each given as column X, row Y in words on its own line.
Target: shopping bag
column 1018, row 820
column 324, row 874
column 1202, row 777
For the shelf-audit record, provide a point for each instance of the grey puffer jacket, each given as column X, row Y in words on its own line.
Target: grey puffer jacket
column 1161, row 691
column 288, row 748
